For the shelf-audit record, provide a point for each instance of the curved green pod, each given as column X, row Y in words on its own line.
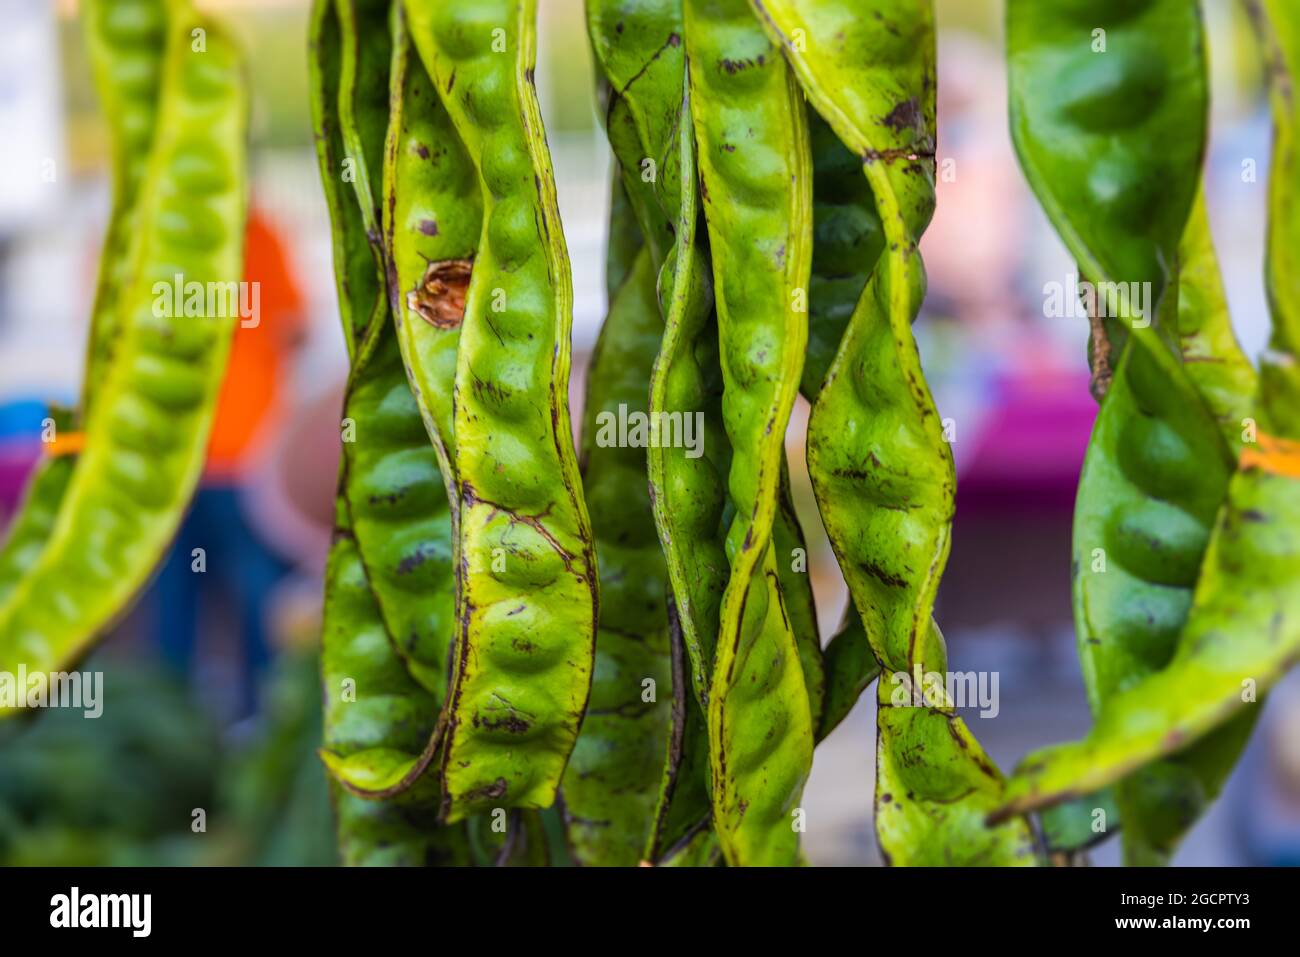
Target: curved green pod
column 125, row 40
column 1212, row 357
column 1241, row 634
column 683, row 808
column 376, row 716
column 1278, row 25
column 527, row 598
column 850, row 666
column 400, row 512
column 881, row 470
column 29, row 528
column 623, row 242
column 791, row 554
column 392, row 482
column 755, row 181
column 148, row 431
column 1108, row 116
column 357, row 285
column 640, row 52
column 432, row 217
column 640, row 55
column 1158, row 465
column 880, row 467
column 611, row 786
column 847, row 243
column 1154, row 478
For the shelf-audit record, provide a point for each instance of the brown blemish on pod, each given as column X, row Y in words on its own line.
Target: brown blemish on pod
column 439, row 299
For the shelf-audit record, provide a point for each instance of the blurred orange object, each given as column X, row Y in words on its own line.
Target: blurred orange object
column 249, row 406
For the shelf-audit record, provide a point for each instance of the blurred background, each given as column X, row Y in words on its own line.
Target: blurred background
column 212, row 696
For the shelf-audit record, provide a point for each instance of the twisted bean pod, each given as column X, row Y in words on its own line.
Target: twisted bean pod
column 881, row 470
column 125, row 40
column 640, row 51
column 398, row 505
column 791, row 553
column 375, row 716
column 356, row 277
column 527, row 584
column 148, row 430
column 1241, row 632
column 847, row 243
column 433, row 216
column 640, row 54
column 611, row 786
column 1157, row 468
column 755, row 168
column 1213, row 359
column 1107, row 100
column 30, row 527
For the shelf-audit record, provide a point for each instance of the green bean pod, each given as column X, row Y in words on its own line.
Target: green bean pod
column 881, row 470
column 400, row 512
column 624, row 243
column 433, row 216
column 640, row 55
column 880, row 467
column 34, row 520
column 1108, row 99
column 1278, row 25
column 847, row 243
column 611, row 786
column 1157, row 468
column 796, row 588
column 397, row 500
column 684, row 806
column 755, row 175
column 147, row 434
column 527, row 599
column 850, row 666
column 1154, row 478
column 375, row 715
column 1212, row 357
column 1240, row 635
column 358, row 287
column 125, row 40
column 640, row 52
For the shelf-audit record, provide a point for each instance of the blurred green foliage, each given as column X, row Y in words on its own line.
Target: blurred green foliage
column 122, row 789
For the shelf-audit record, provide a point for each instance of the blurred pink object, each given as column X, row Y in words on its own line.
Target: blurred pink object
column 1031, row 445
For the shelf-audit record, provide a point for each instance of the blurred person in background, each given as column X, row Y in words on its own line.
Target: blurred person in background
column 219, row 553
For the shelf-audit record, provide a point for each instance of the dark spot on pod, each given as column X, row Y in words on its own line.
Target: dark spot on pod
column 422, row 151
column 411, row 562
column 428, row 227
column 512, row 723
column 494, row 790
column 882, row 576
column 904, row 116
